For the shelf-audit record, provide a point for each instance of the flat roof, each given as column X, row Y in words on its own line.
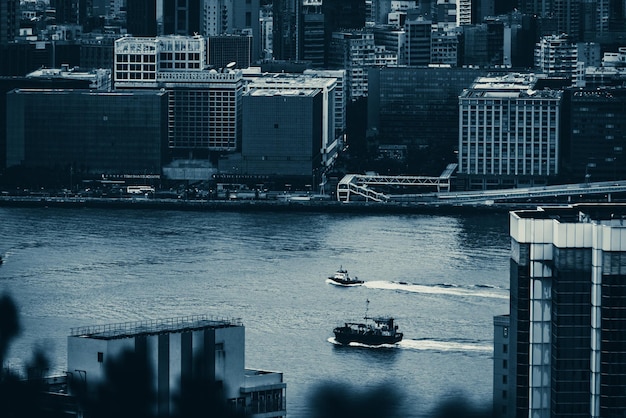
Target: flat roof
column 151, row 327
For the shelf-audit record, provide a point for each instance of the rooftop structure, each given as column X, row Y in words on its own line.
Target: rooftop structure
column 176, row 350
column 99, row 79
column 153, row 327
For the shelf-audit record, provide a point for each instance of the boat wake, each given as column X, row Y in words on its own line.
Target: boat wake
column 446, row 346
column 441, row 289
column 332, row 340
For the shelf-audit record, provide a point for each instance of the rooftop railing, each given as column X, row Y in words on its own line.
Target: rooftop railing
column 154, row 326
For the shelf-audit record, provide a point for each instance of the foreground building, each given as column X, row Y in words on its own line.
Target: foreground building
column 178, row 349
column 567, row 318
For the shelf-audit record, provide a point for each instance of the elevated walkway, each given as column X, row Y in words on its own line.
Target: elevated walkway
column 359, row 185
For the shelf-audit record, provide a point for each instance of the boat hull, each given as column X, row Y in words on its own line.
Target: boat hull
column 345, row 336
column 350, row 282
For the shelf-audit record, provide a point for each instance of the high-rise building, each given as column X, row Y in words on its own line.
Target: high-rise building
column 595, row 139
column 286, row 31
column 418, row 39
column 403, row 98
column 556, row 56
column 509, row 132
column 9, row 22
column 567, row 322
column 204, row 105
column 313, row 33
column 141, row 17
column 355, row 52
column 178, row 352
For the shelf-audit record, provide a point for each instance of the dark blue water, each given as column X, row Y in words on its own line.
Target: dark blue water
column 77, row 267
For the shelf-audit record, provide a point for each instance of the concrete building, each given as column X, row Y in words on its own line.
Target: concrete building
column 204, row 105
column 177, row 349
column 556, row 56
column 340, row 96
column 509, row 132
column 87, row 133
column 354, row 51
column 567, row 322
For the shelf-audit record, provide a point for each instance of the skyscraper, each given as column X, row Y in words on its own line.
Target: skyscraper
column 8, row 20
column 567, row 321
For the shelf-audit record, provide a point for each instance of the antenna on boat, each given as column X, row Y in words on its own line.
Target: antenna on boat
column 367, row 306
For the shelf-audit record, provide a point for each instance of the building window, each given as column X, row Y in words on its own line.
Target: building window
column 504, row 394
column 505, row 364
column 505, row 348
column 504, row 379
column 100, row 357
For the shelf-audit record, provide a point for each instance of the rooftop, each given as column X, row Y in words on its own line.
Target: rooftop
column 151, row 327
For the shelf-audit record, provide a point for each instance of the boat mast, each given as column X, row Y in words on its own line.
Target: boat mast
column 367, row 306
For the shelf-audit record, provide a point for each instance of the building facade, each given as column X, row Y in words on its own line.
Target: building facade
column 289, row 84
column 178, row 350
column 509, row 133
column 568, row 326
column 204, row 110
column 87, row 132
column 282, row 134
column 354, row 51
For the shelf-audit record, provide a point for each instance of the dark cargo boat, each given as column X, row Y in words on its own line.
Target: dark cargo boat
column 374, row 331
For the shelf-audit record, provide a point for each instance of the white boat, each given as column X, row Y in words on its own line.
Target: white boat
column 343, row 278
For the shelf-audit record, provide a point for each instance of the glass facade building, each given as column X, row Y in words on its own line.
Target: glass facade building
column 568, row 325
column 86, row 131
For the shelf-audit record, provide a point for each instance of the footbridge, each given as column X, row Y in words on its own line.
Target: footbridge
column 360, row 186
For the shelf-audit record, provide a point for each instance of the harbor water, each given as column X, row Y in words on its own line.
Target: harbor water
column 443, row 278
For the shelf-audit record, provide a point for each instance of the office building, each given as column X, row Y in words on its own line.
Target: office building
column 313, row 34
column 285, row 14
column 413, row 106
column 314, row 81
column 225, row 49
column 9, row 21
column 509, row 132
column 177, row 351
column 141, row 18
column 282, row 133
column 418, row 39
column 567, row 323
column 355, row 52
column 86, row 132
column 204, row 110
column 594, row 143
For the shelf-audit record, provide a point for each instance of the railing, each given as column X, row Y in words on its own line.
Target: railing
column 154, row 326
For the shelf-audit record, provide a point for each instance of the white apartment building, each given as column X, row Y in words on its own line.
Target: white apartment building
column 508, row 132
